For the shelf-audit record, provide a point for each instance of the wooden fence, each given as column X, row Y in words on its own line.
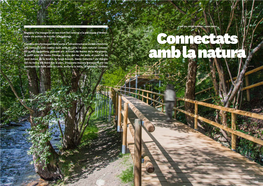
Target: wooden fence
column 234, row 112
column 135, row 129
column 247, row 85
column 145, row 71
column 136, row 71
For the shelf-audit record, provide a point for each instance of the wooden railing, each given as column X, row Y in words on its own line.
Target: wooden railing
column 135, row 71
column 144, row 71
column 135, row 129
column 234, row 112
column 247, row 86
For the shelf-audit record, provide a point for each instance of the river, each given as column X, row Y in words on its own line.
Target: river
column 15, row 162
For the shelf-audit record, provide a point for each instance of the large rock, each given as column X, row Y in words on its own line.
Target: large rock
column 39, row 182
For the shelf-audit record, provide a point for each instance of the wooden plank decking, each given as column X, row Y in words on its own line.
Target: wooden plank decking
column 183, row 156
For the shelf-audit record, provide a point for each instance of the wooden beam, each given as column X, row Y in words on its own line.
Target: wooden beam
column 124, row 134
column 232, row 110
column 233, row 136
column 147, row 124
column 137, row 153
column 196, row 114
column 253, row 86
column 148, row 164
column 247, row 90
column 119, row 115
column 238, row 133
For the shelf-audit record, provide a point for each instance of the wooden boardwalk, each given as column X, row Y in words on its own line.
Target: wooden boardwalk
column 183, row 156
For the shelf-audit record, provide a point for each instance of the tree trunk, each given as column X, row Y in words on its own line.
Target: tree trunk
column 71, row 128
column 190, row 85
column 50, row 171
column 32, row 81
column 213, row 75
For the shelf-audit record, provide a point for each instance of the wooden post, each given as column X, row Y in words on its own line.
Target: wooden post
column 162, row 105
column 196, row 113
column 154, row 101
column 136, row 84
column 116, row 107
column 142, row 95
column 137, row 152
column 125, row 85
column 247, row 84
column 233, row 136
column 147, row 100
column 119, row 115
column 124, row 134
column 103, row 106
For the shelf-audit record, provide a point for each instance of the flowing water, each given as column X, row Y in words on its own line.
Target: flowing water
column 15, row 162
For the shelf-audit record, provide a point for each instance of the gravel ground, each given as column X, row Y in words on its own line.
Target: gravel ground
column 107, row 176
column 100, row 164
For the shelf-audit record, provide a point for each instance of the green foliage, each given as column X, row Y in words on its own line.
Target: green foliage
column 13, row 113
column 127, row 175
column 112, row 78
column 90, row 133
column 39, row 136
column 14, row 15
column 249, row 149
column 133, row 28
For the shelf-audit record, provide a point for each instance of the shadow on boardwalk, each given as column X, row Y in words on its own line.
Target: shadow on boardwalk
column 183, row 156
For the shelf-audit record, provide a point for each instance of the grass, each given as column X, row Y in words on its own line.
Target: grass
column 70, row 158
column 127, row 175
column 90, row 133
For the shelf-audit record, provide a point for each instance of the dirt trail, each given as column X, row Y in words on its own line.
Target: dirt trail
column 100, row 163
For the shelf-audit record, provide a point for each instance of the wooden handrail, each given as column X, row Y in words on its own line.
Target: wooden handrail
column 144, row 91
column 143, row 96
column 232, row 110
column 252, row 71
column 197, row 117
column 253, row 86
column 148, row 125
column 138, row 137
column 245, row 88
column 136, row 133
column 238, row 133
